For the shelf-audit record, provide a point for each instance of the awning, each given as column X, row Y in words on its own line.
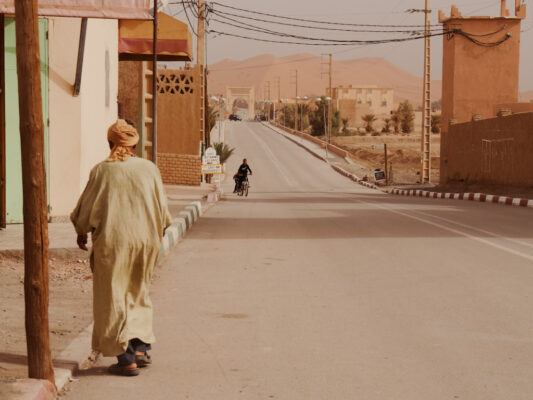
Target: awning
column 117, row 9
column 174, row 41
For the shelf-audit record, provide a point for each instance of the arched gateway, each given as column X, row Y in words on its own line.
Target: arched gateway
column 234, row 93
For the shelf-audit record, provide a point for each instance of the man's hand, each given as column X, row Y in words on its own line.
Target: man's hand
column 82, row 242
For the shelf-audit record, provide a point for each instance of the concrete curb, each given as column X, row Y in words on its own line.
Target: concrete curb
column 181, row 224
column 480, row 197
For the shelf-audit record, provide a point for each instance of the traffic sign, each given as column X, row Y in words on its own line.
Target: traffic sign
column 378, row 146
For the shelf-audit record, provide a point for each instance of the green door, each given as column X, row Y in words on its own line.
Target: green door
column 13, row 158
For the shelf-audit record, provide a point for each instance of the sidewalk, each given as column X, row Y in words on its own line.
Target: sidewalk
column 70, row 309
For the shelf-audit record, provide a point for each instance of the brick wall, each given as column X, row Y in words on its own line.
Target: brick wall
column 180, row 169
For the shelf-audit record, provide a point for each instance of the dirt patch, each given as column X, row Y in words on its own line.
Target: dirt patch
column 70, row 306
column 403, row 153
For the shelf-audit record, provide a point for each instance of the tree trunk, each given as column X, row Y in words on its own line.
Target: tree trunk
column 34, row 189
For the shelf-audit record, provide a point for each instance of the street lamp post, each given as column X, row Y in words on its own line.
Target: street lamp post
column 326, row 138
column 302, row 114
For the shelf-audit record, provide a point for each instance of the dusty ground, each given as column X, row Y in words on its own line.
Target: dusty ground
column 70, row 306
column 403, row 153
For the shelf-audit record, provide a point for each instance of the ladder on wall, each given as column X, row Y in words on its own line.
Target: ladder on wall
column 425, row 171
column 147, row 98
column 202, row 104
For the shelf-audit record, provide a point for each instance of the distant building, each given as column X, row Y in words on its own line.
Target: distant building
column 355, row 101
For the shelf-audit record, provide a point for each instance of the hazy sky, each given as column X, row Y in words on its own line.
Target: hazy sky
column 406, row 55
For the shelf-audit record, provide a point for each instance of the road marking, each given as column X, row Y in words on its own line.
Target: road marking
column 478, row 239
column 520, row 242
column 273, row 158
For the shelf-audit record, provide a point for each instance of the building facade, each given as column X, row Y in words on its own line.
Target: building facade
column 354, row 101
column 75, row 125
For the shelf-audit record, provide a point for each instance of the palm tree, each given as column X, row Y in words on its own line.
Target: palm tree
column 213, row 115
column 223, row 150
column 369, row 119
column 386, row 127
column 344, row 125
column 396, row 121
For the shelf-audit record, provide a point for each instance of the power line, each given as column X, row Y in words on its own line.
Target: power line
column 310, row 20
column 337, row 43
column 249, row 27
column 224, row 15
column 188, row 19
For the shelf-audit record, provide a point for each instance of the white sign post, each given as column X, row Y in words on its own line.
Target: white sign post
column 211, row 162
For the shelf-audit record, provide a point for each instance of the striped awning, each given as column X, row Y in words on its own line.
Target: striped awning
column 174, row 41
column 115, row 9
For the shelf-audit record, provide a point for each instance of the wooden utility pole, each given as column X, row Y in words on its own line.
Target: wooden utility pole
column 154, row 85
column 200, row 54
column 296, row 98
column 34, row 189
column 330, row 123
column 425, row 168
column 279, row 99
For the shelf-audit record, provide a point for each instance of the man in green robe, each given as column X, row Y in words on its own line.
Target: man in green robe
column 124, row 207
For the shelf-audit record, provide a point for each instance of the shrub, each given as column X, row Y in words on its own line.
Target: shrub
column 224, row 151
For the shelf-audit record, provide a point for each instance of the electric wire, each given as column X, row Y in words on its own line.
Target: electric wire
column 313, row 21
column 224, row 15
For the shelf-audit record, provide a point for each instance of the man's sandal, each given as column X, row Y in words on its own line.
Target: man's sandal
column 117, row 369
column 143, row 360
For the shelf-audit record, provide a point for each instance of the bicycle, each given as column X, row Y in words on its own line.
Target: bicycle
column 244, row 188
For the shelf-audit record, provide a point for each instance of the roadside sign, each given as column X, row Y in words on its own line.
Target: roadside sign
column 378, row 146
column 379, row 175
column 211, row 157
column 211, row 169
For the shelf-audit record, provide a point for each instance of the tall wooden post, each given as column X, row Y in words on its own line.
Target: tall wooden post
column 34, row 189
column 2, row 127
column 330, row 124
column 296, row 98
column 154, row 84
column 200, row 54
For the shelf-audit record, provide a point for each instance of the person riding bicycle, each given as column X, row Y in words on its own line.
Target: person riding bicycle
column 241, row 175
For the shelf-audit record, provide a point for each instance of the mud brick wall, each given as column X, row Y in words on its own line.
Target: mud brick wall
column 180, row 169
column 491, row 151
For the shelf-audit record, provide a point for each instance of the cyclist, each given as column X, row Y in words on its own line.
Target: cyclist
column 241, row 175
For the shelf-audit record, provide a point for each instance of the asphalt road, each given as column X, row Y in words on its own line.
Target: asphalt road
column 314, row 287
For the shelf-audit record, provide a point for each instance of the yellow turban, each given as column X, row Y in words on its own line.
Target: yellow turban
column 122, row 135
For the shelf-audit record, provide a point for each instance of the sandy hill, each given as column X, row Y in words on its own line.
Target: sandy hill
column 312, row 77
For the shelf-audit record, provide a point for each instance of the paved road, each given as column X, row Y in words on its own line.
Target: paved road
column 316, row 288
